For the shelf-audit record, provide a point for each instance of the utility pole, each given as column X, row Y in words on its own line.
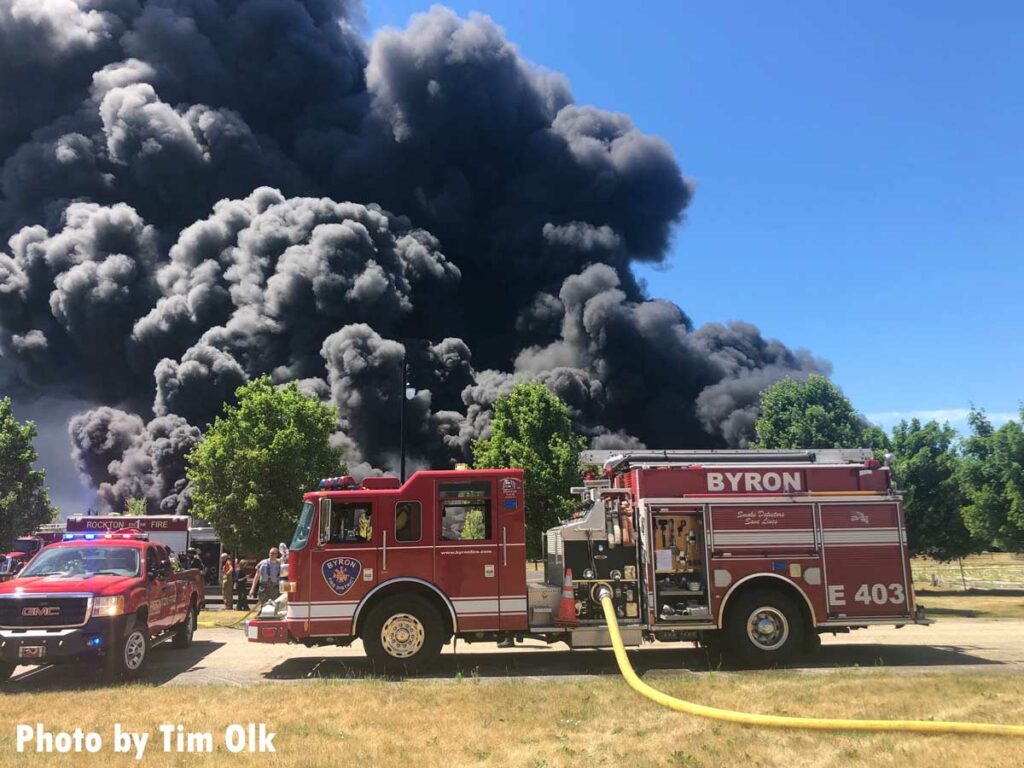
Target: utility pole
column 406, row 393
column 401, row 417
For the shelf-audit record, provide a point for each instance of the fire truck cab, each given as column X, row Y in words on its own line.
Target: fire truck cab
column 756, row 552
column 405, row 568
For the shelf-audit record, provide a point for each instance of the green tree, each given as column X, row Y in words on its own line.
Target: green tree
column 249, row 472
column 473, row 528
column 993, row 478
column 135, row 507
column 811, row 414
column 532, row 430
column 927, row 469
column 24, row 500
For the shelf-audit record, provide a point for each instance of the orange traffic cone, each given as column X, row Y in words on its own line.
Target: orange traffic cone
column 567, row 607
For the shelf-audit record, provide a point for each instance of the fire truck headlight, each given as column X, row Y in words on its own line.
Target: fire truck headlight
column 108, row 606
column 588, row 573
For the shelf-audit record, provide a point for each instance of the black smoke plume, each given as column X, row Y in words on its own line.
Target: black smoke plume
column 197, row 192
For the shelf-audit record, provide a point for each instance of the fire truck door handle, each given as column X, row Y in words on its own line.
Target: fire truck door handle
column 384, row 538
column 504, row 546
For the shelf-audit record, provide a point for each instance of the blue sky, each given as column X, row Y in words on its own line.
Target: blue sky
column 859, row 170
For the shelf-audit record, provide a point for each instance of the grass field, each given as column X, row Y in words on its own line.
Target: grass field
column 219, row 618
column 539, row 724
column 970, row 605
column 991, row 570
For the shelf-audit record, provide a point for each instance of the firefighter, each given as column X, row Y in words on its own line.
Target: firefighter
column 268, row 577
column 227, row 580
column 243, row 603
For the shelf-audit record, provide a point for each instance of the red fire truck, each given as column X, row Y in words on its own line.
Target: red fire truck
column 756, row 552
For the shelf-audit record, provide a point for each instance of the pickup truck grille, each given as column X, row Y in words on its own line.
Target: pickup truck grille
column 43, row 611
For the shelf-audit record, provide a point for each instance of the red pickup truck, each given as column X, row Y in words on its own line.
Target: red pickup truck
column 108, row 597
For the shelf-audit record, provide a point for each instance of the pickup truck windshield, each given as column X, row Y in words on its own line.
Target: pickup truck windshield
column 84, row 561
column 305, row 525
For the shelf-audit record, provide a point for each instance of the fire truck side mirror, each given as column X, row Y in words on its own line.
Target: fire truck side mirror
column 324, row 531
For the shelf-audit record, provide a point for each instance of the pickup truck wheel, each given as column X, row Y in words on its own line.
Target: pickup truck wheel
column 764, row 627
column 129, row 656
column 6, row 670
column 183, row 632
column 402, row 635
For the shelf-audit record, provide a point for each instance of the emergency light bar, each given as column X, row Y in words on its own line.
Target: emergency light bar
column 344, row 482
column 127, row 533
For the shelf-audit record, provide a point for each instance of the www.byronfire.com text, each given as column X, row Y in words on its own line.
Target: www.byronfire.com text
column 238, row 737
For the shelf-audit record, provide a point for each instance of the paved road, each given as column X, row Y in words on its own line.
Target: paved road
column 223, row 656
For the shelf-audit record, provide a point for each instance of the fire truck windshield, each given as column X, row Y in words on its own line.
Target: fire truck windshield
column 91, row 561
column 304, row 527
column 25, row 545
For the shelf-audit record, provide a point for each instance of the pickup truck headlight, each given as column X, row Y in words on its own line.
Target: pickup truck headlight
column 108, row 606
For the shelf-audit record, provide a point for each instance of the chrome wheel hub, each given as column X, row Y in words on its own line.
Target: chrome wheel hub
column 767, row 628
column 402, row 635
column 134, row 650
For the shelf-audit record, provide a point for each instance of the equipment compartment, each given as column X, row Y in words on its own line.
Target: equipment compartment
column 680, row 570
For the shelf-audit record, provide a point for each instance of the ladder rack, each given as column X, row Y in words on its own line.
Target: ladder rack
column 616, row 459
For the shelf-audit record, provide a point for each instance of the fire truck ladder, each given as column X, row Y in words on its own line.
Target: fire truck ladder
column 778, row 721
column 617, row 459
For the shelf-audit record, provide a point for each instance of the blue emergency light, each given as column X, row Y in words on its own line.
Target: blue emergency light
column 128, row 533
column 338, row 483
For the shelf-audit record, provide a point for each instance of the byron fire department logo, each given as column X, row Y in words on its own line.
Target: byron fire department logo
column 341, row 573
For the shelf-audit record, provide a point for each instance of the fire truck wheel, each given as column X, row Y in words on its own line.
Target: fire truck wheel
column 129, row 656
column 402, row 635
column 183, row 632
column 764, row 627
column 812, row 644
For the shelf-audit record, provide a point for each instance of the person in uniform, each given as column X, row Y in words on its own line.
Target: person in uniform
column 240, row 580
column 268, row 577
column 227, row 580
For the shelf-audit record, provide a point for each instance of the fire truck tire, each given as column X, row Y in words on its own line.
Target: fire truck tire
column 183, row 632
column 812, row 644
column 402, row 635
column 764, row 627
column 128, row 658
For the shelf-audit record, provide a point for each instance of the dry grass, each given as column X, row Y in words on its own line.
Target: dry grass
column 970, row 605
column 990, row 570
column 224, row 618
column 593, row 722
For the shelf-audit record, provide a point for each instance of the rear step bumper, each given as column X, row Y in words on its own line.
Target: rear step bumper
column 266, row 630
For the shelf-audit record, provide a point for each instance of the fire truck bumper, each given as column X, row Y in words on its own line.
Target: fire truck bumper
column 920, row 618
column 266, row 630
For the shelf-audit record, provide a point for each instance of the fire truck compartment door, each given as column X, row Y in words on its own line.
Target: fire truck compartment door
column 865, row 560
column 468, row 556
column 343, row 563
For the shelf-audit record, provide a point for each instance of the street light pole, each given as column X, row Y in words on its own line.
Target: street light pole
column 401, row 417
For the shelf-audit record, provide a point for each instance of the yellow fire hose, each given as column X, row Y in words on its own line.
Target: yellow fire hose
column 777, row 721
